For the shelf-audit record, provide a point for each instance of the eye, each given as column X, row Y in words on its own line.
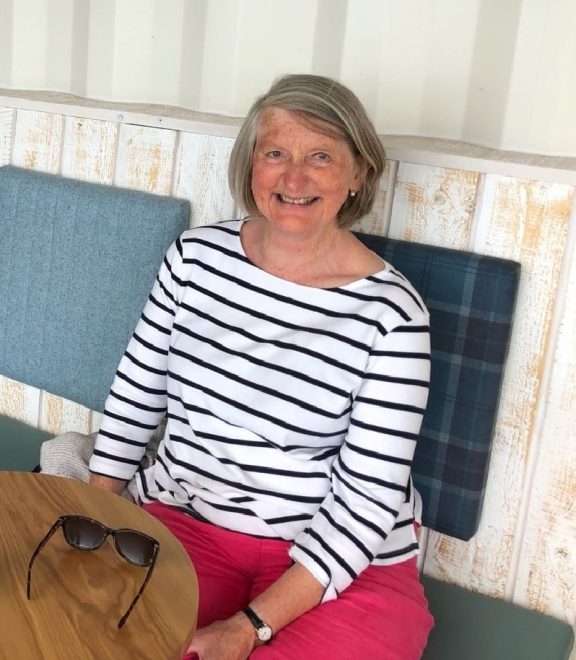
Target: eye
column 274, row 154
column 321, row 158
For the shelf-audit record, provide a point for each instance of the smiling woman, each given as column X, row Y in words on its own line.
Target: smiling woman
column 306, row 163
column 292, row 364
column 301, row 178
column 298, row 168
column 327, row 109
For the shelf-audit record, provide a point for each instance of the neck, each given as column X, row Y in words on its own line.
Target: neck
column 300, row 257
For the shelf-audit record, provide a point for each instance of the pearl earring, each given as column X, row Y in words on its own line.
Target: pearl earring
column 353, row 193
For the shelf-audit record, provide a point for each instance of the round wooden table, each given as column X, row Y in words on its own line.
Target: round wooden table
column 78, row 597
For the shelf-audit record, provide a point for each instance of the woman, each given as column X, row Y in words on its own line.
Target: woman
column 292, row 364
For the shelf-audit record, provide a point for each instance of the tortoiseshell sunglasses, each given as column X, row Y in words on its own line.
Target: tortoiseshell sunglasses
column 83, row 533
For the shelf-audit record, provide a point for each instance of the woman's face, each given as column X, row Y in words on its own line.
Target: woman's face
column 300, row 176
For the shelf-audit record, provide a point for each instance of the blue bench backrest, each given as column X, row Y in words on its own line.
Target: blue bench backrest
column 471, row 302
column 77, row 262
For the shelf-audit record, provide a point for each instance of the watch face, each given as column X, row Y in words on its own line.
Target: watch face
column 264, row 633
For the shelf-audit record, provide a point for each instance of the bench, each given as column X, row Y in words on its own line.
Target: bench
column 77, row 261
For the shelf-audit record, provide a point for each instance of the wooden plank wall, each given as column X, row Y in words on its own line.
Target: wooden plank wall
column 525, row 549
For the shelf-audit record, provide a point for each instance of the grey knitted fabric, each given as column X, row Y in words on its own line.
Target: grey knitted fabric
column 68, row 455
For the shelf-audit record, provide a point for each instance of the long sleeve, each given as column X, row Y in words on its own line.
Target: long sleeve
column 137, row 400
column 370, row 479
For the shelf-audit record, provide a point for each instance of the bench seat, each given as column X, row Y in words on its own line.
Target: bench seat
column 19, row 444
column 471, row 626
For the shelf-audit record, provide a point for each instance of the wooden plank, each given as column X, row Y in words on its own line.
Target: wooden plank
column 378, row 220
column 89, row 149
column 95, row 421
column 58, row 415
column 203, row 177
column 38, row 141
column 433, row 205
column 433, row 152
column 19, row 401
column 547, row 572
column 7, row 121
column 145, row 158
column 526, row 221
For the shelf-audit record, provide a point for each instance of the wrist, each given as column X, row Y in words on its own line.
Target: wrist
column 262, row 630
column 107, row 483
column 241, row 622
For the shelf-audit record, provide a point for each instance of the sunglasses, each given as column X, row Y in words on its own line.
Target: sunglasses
column 84, row 533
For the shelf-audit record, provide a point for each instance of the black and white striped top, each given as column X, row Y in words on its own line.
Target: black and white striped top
column 293, row 411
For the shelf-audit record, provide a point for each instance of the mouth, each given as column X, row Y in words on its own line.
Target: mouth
column 297, row 201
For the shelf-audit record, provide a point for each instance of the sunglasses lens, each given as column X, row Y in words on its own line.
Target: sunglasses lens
column 84, row 534
column 136, row 548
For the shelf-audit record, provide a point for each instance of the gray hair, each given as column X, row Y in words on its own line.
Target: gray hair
column 321, row 99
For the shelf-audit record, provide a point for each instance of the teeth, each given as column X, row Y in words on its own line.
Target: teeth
column 296, row 200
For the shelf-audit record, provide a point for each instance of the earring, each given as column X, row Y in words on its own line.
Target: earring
column 353, row 193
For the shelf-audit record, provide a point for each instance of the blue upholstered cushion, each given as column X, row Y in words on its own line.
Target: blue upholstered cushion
column 77, row 261
column 471, row 301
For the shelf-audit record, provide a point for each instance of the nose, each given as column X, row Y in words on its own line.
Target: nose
column 294, row 175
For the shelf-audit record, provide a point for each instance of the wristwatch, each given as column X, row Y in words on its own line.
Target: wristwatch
column 263, row 631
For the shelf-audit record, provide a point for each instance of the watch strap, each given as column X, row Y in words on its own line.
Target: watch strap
column 257, row 622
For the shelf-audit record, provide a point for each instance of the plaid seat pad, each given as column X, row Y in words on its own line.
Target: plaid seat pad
column 471, row 301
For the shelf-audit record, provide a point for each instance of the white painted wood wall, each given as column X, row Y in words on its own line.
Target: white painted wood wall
column 525, row 549
column 492, row 72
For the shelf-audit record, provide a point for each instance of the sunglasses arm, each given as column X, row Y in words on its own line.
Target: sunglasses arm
column 141, row 590
column 39, row 548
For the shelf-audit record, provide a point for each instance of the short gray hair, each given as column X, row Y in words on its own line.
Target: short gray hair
column 314, row 98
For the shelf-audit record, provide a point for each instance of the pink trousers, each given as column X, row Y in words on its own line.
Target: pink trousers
column 382, row 615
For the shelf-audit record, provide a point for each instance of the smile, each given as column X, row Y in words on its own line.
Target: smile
column 296, row 200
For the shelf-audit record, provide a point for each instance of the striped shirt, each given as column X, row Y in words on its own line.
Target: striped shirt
column 292, row 411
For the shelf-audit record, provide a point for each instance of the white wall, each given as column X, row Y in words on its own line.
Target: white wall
column 501, row 73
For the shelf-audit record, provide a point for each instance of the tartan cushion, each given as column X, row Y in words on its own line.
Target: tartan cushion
column 471, row 301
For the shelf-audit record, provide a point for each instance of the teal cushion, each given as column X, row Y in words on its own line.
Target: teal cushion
column 77, row 262
column 470, row 626
column 19, row 445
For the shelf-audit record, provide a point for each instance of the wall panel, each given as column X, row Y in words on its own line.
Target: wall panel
column 89, row 151
column 547, row 567
column 19, row 401
column 7, row 121
column 145, row 159
column 202, row 177
column 58, row 415
column 433, row 205
column 38, row 140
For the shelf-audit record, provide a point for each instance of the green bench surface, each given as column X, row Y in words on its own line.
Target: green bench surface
column 470, row 626
column 19, row 444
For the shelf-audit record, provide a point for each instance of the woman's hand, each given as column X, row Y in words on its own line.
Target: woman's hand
column 231, row 639
column 293, row 593
column 107, row 483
